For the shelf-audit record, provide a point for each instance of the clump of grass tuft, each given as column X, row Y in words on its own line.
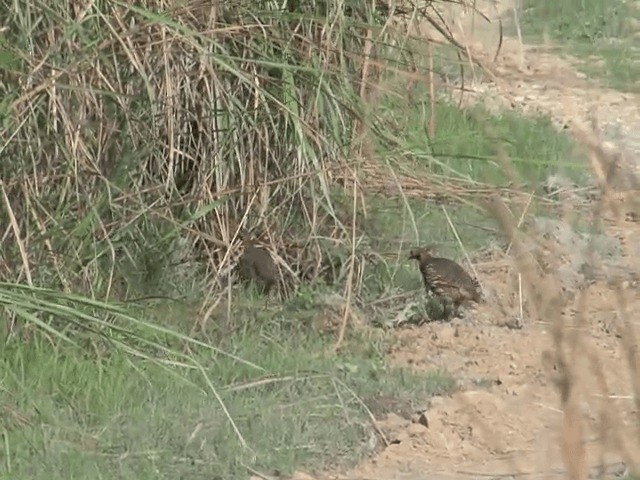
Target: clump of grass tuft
column 73, row 415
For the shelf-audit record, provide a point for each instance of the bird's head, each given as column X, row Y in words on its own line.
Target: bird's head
column 421, row 253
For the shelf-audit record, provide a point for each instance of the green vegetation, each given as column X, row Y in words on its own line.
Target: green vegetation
column 134, row 146
column 69, row 413
column 578, row 20
column 464, row 146
column 605, row 33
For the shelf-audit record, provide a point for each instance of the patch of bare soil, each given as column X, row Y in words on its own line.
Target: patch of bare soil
column 507, row 418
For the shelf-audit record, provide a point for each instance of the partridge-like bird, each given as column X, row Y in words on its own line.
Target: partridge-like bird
column 446, row 279
column 256, row 265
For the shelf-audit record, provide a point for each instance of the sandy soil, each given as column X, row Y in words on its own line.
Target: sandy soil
column 506, row 420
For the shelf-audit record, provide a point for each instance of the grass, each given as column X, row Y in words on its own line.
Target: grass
column 71, row 414
column 134, row 419
column 618, row 63
column 603, row 32
column 464, row 149
column 94, row 411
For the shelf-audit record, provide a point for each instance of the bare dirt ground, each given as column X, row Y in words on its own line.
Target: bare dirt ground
column 507, row 418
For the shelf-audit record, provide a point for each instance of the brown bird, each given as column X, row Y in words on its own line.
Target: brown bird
column 256, row 265
column 446, row 279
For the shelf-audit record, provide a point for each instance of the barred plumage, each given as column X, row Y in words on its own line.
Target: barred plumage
column 446, row 279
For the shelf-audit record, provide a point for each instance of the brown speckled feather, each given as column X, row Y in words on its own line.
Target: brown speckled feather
column 446, row 279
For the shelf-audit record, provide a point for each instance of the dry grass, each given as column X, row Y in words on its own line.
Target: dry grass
column 159, row 131
column 149, row 135
column 142, row 124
